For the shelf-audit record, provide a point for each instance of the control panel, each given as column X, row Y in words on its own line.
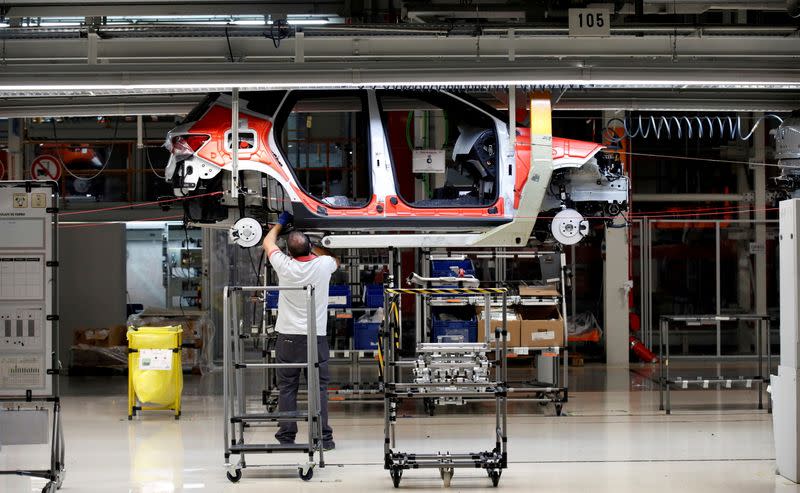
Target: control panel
column 26, row 288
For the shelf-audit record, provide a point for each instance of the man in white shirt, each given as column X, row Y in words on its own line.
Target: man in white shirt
column 305, row 265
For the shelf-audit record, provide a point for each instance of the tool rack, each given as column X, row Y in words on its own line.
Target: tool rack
column 238, row 416
column 455, row 376
column 681, row 382
column 531, row 389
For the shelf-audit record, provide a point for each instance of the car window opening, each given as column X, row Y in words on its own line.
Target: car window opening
column 325, row 141
column 460, row 137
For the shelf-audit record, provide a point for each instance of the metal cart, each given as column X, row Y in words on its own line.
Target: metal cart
column 761, row 377
column 450, row 372
column 236, row 413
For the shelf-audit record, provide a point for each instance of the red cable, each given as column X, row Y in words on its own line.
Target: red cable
column 138, row 204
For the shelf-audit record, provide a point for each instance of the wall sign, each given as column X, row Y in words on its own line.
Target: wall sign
column 590, row 22
column 46, row 167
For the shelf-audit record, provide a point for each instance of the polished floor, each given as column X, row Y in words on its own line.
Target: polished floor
column 612, row 438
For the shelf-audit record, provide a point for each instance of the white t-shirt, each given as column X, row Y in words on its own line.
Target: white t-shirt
column 299, row 272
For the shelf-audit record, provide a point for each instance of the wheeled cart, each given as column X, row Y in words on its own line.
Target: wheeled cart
column 238, row 416
column 667, row 382
column 447, row 373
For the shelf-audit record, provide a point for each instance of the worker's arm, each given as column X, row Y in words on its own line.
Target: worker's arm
column 320, row 251
column 271, row 240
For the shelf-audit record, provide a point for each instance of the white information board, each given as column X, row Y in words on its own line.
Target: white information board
column 27, row 218
column 428, row 161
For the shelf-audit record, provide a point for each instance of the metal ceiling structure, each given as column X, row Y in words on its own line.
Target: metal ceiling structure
column 144, row 65
column 93, row 65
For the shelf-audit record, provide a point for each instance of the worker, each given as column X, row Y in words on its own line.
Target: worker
column 306, row 264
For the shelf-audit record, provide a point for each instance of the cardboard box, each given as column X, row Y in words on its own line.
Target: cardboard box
column 512, row 326
column 541, row 326
column 543, row 291
column 110, row 337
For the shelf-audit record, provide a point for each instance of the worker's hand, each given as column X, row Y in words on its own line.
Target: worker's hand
column 285, row 218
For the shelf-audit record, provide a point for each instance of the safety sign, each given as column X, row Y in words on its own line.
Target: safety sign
column 46, row 167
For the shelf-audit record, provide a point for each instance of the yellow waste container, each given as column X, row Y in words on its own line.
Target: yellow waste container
column 155, row 375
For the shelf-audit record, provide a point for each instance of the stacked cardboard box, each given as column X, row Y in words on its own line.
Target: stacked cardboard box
column 541, row 326
column 496, row 321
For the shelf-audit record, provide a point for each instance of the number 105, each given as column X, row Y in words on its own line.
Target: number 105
column 591, row 19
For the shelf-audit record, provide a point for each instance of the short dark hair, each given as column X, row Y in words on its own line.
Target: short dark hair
column 298, row 244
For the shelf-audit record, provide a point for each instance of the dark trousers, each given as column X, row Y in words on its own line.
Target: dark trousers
column 292, row 349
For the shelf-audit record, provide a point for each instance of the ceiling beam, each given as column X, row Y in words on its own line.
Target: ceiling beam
column 48, row 67
column 88, row 8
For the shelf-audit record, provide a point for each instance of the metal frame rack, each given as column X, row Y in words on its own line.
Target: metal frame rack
column 556, row 392
column 452, row 371
column 236, row 413
column 666, row 382
column 49, row 391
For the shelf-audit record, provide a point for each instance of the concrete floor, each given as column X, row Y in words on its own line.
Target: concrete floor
column 612, row 439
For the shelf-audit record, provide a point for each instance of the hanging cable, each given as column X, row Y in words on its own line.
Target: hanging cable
column 699, row 126
column 228, row 39
column 147, row 151
column 278, row 30
column 102, row 168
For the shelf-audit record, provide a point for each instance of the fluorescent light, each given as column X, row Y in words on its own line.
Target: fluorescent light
column 308, row 22
column 57, row 24
column 4, row 24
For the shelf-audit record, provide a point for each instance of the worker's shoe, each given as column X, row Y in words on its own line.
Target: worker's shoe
column 328, row 445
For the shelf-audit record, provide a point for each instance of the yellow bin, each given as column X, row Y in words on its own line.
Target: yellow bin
column 155, row 375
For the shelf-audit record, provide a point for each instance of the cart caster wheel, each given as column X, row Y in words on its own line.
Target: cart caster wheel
column 49, row 488
column 307, row 476
column 495, row 477
column 558, row 409
column 130, row 418
column 234, row 478
column 396, row 474
column 447, row 476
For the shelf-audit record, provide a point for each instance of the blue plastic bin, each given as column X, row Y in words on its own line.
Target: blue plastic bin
column 455, row 330
column 373, row 295
column 339, row 296
column 272, row 299
column 365, row 336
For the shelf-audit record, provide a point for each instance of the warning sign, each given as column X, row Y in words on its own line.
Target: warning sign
column 46, row 167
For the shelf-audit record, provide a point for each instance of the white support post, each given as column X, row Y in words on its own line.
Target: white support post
column 760, row 182
column 512, row 119
column 299, row 47
column 92, row 39
column 235, row 143
column 616, row 286
column 139, row 161
column 15, row 157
